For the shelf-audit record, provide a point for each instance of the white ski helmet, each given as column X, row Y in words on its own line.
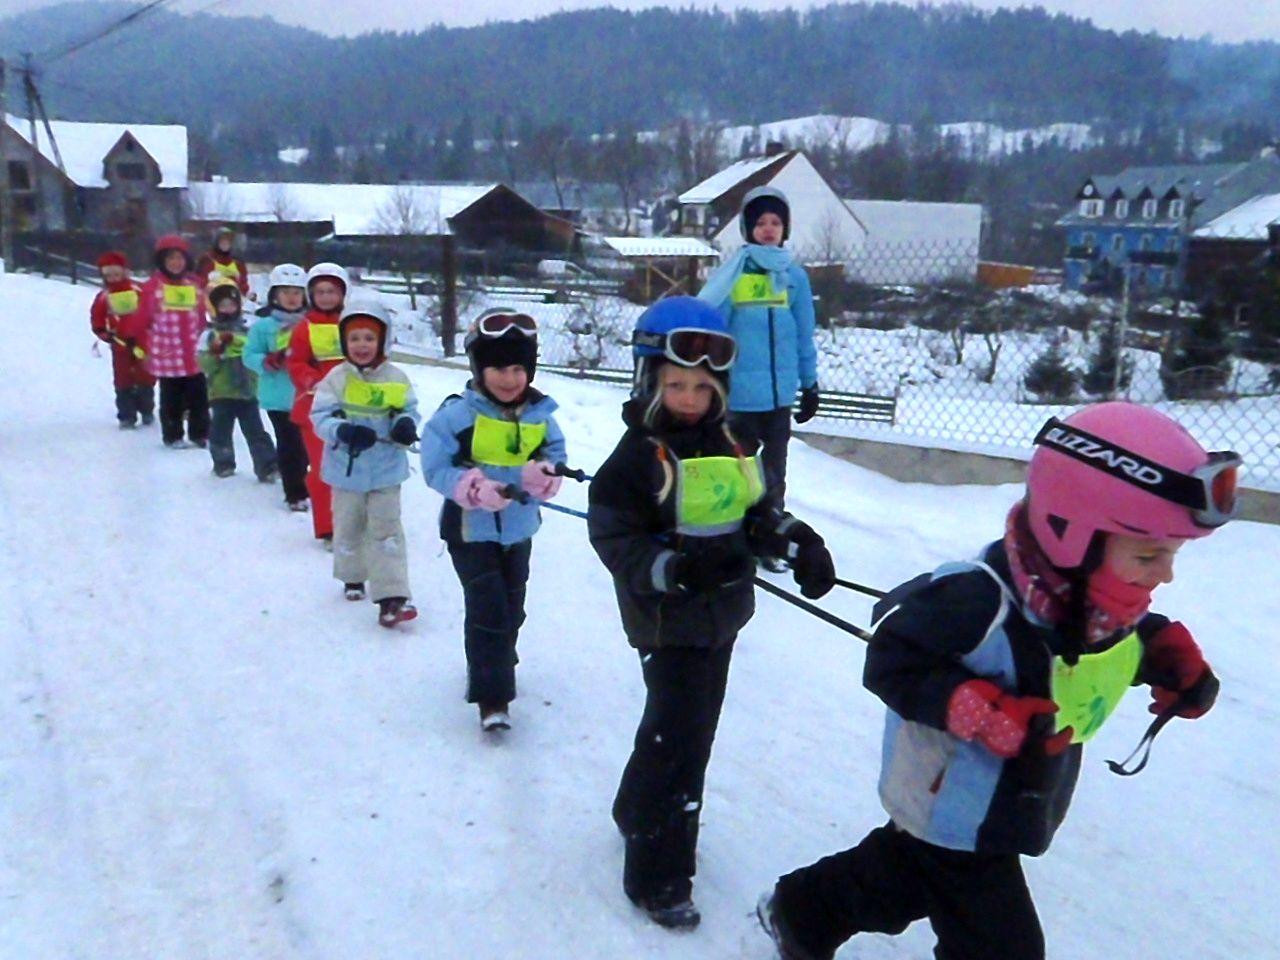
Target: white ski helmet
column 366, row 307
column 286, row 275
column 329, row 271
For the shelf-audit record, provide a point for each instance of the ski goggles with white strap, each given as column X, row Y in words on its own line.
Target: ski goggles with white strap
column 1208, row 491
column 497, row 323
column 690, row 346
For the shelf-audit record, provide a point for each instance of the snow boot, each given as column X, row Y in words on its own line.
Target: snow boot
column 127, row 425
column 326, row 543
column 202, row 444
column 780, row 933
column 674, row 916
column 494, row 717
column 223, row 470
column 353, row 591
column 395, row 610
column 148, row 419
column 298, row 506
column 176, row 444
column 269, row 477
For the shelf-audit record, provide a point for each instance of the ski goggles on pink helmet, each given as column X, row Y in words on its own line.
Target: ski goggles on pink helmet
column 1208, row 492
column 690, row 346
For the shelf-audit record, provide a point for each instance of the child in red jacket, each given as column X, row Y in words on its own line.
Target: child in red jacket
column 220, row 261
column 114, row 318
column 314, row 350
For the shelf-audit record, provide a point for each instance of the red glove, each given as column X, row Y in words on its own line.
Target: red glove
column 1002, row 722
column 219, row 343
column 1178, row 673
column 274, row 361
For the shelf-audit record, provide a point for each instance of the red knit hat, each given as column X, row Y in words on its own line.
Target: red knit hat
column 113, row 258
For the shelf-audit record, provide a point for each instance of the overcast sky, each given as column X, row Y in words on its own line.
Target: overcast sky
column 1224, row 19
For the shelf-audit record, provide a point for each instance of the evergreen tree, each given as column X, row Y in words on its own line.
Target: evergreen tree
column 1199, row 362
column 1110, row 371
column 1050, row 377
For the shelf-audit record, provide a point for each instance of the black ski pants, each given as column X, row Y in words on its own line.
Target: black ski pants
column 226, row 413
column 184, row 398
column 132, row 402
column 291, row 455
column 978, row 904
column 772, row 430
column 659, row 800
column 493, row 581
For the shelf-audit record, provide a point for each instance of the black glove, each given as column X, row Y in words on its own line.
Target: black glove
column 357, row 436
column 813, row 569
column 808, row 404
column 704, row 572
column 404, row 432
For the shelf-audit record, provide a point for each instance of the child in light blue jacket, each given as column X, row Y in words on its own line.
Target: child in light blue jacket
column 492, row 454
column 765, row 297
column 264, row 354
column 366, row 413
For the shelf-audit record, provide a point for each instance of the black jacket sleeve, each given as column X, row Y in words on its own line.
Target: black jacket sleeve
column 622, row 519
column 922, row 629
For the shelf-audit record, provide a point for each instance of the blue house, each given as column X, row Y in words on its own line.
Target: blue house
column 1136, row 225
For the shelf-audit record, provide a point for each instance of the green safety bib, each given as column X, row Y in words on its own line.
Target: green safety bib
column 236, row 347
column 123, row 301
column 227, row 269
column 282, row 339
column 1089, row 692
column 325, row 343
column 714, row 493
column 756, row 290
column 505, row 443
column 180, row 296
column 361, row 398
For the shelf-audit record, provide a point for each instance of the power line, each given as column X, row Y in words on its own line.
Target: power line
column 132, row 17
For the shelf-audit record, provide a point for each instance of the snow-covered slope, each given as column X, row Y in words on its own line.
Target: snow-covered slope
column 209, row 754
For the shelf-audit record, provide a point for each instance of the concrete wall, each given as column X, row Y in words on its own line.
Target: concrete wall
column 947, row 467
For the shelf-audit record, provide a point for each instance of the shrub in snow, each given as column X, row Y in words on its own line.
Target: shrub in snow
column 1050, row 377
column 1110, row 370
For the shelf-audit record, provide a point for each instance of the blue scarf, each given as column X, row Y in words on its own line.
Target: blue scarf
column 775, row 261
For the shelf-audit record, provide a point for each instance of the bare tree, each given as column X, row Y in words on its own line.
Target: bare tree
column 408, row 217
column 549, row 150
column 283, row 206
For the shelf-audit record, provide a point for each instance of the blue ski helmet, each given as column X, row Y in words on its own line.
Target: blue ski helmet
column 650, row 346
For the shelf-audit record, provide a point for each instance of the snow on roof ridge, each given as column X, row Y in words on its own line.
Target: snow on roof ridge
column 85, row 144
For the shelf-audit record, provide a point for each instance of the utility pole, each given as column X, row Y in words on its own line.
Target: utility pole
column 38, row 192
column 6, row 206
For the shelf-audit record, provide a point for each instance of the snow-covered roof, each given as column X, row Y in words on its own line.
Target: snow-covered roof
column 84, row 146
column 1246, row 222
column 355, row 209
column 661, row 247
column 718, row 184
column 900, row 220
column 818, row 130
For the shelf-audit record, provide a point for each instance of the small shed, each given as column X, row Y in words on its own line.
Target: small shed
column 660, row 260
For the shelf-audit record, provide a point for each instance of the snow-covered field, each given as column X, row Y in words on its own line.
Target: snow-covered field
column 209, row 754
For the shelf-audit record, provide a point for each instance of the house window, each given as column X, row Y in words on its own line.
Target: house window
column 1148, row 209
column 1171, row 244
column 1175, row 209
column 1146, row 242
column 1122, row 209
column 19, row 175
column 1091, row 208
column 1117, row 242
column 1088, row 239
column 131, row 171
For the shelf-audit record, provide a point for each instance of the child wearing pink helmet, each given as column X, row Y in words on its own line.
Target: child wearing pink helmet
column 996, row 671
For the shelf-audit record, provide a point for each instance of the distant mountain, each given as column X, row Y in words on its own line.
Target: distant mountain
column 606, row 69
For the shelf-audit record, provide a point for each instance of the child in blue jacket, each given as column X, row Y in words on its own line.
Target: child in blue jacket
column 264, row 354
column 492, row 454
column 366, row 413
column 765, row 298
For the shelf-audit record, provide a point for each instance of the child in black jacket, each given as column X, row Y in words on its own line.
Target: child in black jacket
column 677, row 515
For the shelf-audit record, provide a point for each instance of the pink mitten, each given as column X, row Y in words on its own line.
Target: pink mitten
column 475, row 491
column 538, row 480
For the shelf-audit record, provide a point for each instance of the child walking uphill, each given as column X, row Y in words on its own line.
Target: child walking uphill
column 498, row 435
column 233, row 387
column 264, row 354
column 366, row 412
column 996, row 671
column 170, row 321
column 678, row 515
column 221, row 261
column 114, row 318
column 315, row 348
column 764, row 296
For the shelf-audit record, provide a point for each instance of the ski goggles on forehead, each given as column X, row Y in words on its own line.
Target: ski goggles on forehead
column 1208, row 491
column 689, row 347
column 496, row 324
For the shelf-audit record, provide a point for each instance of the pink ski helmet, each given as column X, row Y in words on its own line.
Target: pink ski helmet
column 1123, row 468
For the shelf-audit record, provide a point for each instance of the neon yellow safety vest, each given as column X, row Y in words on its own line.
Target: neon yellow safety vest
column 325, row 344
column 505, row 443
column 236, row 347
column 757, row 290
column 360, row 398
column 123, row 301
column 227, row 269
column 282, row 339
column 180, row 296
column 1089, row 692
column 713, row 494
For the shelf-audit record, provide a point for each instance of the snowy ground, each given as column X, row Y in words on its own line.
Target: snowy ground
column 209, row 754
